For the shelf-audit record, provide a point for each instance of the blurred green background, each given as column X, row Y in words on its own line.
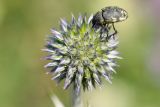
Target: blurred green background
column 24, row 26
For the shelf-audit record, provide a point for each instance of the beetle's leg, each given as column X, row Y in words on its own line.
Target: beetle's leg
column 103, row 29
column 115, row 31
column 107, row 30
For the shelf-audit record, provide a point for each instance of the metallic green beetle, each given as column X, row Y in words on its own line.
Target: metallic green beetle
column 109, row 15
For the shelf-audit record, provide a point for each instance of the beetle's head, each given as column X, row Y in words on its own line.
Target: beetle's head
column 97, row 20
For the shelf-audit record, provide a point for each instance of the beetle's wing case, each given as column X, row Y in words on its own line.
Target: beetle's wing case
column 110, row 14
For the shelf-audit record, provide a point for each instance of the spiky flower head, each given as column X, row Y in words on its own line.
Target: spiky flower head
column 80, row 54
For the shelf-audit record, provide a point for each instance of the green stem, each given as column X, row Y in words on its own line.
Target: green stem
column 76, row 99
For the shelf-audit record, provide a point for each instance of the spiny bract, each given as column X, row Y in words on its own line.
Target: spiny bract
column 80, row 55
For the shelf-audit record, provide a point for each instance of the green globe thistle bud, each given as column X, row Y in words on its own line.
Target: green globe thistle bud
column 80, row 54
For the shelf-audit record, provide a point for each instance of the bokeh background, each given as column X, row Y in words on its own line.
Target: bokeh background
column 24, row 26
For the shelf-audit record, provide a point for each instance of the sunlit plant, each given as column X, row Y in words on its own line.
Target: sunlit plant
column 81, row 54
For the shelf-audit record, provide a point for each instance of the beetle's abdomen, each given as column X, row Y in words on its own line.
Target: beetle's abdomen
column 114, row 14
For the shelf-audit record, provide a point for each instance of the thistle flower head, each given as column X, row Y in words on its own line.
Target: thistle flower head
column 80, row 54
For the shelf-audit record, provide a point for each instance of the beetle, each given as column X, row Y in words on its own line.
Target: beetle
column 108, row 16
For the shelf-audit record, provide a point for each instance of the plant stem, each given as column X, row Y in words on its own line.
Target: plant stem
column 76, row 99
